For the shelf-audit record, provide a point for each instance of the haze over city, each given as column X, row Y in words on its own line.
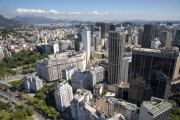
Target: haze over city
column 94, row 10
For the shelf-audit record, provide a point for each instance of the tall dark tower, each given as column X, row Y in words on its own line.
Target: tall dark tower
column 115, row 50
column 151, row 73
column 149, row 34
column 104, row 28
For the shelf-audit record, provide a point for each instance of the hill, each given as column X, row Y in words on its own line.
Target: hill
column 4, row 22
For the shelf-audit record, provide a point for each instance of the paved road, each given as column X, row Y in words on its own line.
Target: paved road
column 11, row 97
column 13, row 78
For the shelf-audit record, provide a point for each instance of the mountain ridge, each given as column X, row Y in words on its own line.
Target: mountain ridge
column 4, row 22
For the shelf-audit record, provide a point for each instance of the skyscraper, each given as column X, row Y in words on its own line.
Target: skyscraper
column 86, row 37
column 177, row 38
column 115, row 51
column 151, row 73
column 104, row 28
column 126, row 62
column 166, row 39
column 148, row 35
column 63, row 95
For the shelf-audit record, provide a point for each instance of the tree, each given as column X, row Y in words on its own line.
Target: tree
column 40, row 95
column 30, row 111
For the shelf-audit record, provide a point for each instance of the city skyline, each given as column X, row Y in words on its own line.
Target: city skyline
column 94, row 10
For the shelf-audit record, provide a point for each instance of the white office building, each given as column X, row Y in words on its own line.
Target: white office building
column 125, row 68
column 156, row 109
column 51, row 69
column 63, row 95
column 86, row 38
column 33, row 83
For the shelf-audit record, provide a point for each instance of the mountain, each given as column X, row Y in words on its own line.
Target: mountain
column 36, row 19
column 42, row 20
column 4, row 22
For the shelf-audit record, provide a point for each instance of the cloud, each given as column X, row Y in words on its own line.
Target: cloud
column 41, row 11
column 36, row 11
column 98, row 13
column 75, row 13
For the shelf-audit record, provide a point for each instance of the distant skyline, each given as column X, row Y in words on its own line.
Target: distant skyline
column 94, row 10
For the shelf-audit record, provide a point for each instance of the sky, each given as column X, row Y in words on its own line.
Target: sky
column 94, row 10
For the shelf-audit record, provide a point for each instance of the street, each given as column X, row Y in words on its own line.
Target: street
column 9, row 96
column 13, row 78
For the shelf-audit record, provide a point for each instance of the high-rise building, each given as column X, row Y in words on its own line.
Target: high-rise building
column 96, row 42
column 97, row 31
column 104, row 28
column 126, row 63
column 115, row 51
column 151, row 73
column 63, row 95
column 78, row 41
column 148, row 35
column 33, row 83
column 86, row 38
column 140, row 31
column 155, row 109
column 177, row 38
column 166, row 39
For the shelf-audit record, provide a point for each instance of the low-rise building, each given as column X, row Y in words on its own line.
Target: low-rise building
column 1, row 53
column 78, row 106
column 103, row 105
column 51, row 69
column 87, row 79
column 97, row 90
column 128, row 110
column 68, row 72
column 156, row 109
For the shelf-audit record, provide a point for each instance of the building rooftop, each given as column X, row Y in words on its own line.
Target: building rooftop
column 89, row 108
column 157, row 106
column 69, row 68
column 118, row 116
column 110, row 94
column 127, row 105
column 81, row 94
column 163, row 51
